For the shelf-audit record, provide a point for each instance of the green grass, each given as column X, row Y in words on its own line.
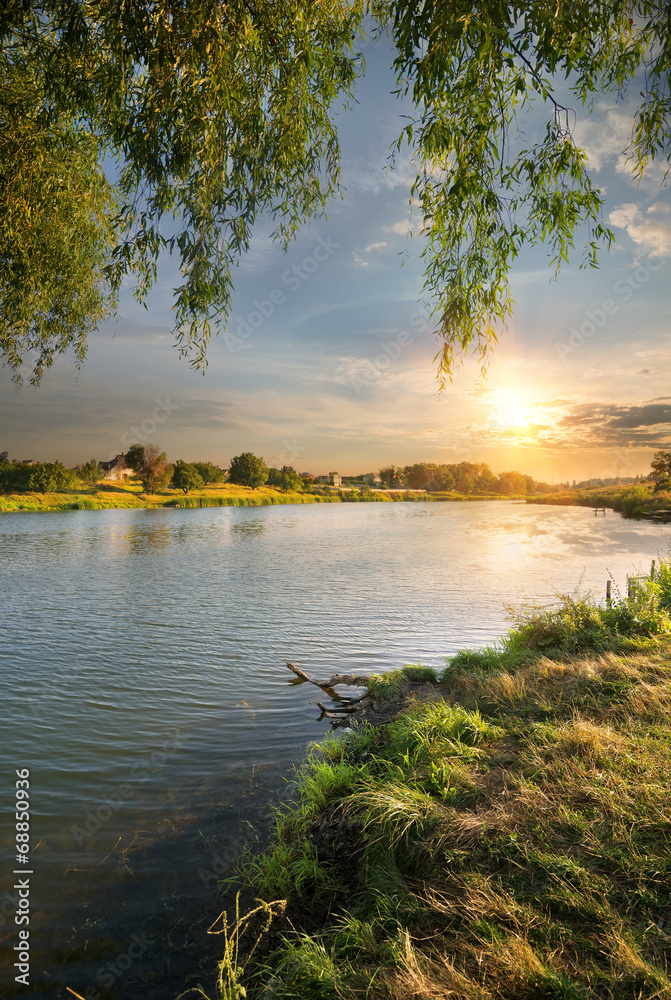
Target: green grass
column 387, row 687
column 507, row 839
column 126, row 495
column 111, row 495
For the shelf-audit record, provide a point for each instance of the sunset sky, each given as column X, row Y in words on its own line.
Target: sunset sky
column 338, row 374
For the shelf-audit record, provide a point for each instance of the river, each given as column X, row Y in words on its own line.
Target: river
column 144, row 687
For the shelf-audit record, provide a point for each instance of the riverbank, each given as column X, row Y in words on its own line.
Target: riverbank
column 638, row 501
column 118, row 496
column 504, row 834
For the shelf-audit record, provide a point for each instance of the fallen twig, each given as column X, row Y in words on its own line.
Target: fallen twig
column 352, row 679
column 333, row 715
column 357, row 701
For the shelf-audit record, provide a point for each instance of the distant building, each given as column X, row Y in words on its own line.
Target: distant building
column 372, row 479
column 116, row 469
column 333, row 479
column 306, row 475
column 29, row 461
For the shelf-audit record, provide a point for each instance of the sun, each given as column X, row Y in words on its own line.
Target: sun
column 515, row 415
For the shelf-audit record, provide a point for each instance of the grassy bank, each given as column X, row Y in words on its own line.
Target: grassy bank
column 105, row 497
column 505, row 836
column 112, row 496
column 631, row 501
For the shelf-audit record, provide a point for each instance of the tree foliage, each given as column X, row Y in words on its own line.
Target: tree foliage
column 57, row 229
column 186, row 477
column 215, row 113
column 219, row 113
column 135, row 457
column 248, row 470
column 661, row 465
column 40, row 477
column 464, row 477
column 661, row 470
column 483, row 189
column 285, row 479
column 150, row 466
column 90, row 472
column 209, row 472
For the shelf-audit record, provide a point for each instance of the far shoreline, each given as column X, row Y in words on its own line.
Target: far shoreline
column 643, row 501
column 130, row 498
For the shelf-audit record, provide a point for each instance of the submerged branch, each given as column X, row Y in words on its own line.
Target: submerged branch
column 351, row 679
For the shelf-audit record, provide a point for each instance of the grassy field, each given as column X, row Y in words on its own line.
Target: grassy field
column 130, row 495
column 109, row 496
column 506, row 836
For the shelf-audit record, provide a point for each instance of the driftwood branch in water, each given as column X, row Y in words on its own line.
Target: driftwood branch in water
column 345, row 709
column 341, row 710
column 356, row 701
column 331, row 714
column 351, row 679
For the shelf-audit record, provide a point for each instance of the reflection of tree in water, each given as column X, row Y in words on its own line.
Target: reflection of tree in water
column 155, row 537
column 251, row 528
column 138, row 540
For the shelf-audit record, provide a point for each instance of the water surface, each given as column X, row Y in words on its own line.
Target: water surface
column 144, row 686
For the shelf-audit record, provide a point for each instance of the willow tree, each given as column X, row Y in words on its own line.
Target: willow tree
column 58, row 229
column 473, row 72
column 217, row 113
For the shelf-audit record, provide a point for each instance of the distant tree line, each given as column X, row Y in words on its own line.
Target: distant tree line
column 151, row 467
column 465, row 477
column 148, row 463
column 36, row 477
column 249, row 470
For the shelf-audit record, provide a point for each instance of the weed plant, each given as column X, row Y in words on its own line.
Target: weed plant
column 578, row 624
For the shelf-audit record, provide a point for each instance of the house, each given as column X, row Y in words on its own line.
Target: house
column 372, row 479
column 306, row 475
column 333, row 479
column 116, row 469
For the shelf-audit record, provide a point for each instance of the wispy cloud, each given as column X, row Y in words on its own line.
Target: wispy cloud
column 362, row 261
column 402, row 228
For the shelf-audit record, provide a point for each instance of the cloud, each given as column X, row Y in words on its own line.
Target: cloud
column 625, row 215
column 401, row 228
column 562, row 425
column 361, row 261
column 653, row 233
column 598, row 425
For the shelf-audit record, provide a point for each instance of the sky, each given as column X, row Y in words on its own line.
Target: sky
column 328, row 364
